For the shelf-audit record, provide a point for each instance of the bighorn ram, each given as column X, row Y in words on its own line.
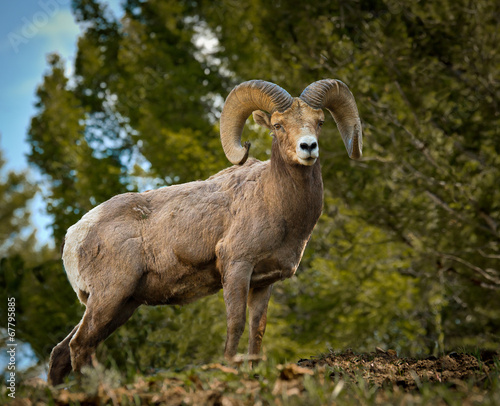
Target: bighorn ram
column 240, row 230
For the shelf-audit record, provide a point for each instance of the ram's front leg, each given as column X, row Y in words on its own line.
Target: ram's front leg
column 258, row 300
column 236, row 284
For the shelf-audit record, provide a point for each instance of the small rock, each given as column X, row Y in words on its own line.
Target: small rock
column 392, row 353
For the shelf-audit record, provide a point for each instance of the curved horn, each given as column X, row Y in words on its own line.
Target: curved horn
column 336, row 97
column 241, row 102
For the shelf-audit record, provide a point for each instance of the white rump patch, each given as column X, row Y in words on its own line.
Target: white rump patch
column 75, row 236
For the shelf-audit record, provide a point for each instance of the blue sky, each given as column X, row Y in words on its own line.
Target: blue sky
column 29, row 30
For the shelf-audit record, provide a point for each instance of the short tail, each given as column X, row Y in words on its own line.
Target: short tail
column 62, row 245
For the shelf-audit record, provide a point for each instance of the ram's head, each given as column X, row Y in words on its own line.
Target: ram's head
column 296, row 122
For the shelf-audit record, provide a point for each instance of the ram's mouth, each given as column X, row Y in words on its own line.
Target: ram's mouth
column 309, row 161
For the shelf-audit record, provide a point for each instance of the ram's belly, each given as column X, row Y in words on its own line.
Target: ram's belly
column 181, row 284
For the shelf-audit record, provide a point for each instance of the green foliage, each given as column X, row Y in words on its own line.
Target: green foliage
column 145, row 72
column 78, row 176
column 356, row 289
column 406, row 252
column 424, row 193
column 15, row 193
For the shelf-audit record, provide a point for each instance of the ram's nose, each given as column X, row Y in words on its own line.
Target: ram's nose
column 308, row 146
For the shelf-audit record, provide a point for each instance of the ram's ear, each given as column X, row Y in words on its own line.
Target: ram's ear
column 262, row 118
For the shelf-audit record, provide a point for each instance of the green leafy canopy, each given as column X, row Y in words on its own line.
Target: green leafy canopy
column 406, row 254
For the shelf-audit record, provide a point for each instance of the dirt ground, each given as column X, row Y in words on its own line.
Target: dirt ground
column 385, row 368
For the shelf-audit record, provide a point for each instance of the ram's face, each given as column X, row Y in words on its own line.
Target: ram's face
column 297, row 131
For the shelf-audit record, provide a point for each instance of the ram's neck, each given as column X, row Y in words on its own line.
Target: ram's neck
column 297, row 190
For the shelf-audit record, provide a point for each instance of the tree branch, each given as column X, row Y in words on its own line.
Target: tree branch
column 487, row 275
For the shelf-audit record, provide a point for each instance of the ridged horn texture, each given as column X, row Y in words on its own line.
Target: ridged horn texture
column 241, row 102
column 336, row 97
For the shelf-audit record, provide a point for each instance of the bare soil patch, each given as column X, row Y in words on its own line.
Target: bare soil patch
column 385, row 368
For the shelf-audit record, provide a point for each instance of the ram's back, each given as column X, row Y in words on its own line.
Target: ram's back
column 156, row 231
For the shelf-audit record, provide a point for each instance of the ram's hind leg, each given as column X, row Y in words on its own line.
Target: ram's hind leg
column 60, row 360
column 104, row 314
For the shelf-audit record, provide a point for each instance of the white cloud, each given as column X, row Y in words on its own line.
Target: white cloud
column 61, row 32
column 49, row 20
column 59, row 35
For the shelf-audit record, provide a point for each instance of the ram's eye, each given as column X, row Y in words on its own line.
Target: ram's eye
column 320, row 124
column 277, row 126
